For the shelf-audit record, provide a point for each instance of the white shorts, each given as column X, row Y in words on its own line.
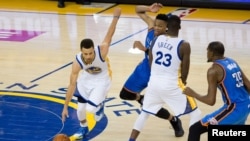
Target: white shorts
column 94, row 91
column 157, row 96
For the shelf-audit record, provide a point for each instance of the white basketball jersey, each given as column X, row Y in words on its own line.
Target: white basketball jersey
column 166, row 61
column 98, row 69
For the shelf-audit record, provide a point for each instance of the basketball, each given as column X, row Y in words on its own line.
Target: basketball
column 61, row 137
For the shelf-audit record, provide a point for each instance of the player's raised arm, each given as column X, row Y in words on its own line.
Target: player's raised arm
column 111, row 30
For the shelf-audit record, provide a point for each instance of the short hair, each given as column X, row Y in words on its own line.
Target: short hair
column 216, row 47
column 86, row 43
column 174, row 22
column 162, row 17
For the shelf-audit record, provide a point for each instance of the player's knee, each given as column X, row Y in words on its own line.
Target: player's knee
column 163, row 113
column 91, row 109
column 80, row 109
column 126, row 95
column 81, row 100
column 123, row 94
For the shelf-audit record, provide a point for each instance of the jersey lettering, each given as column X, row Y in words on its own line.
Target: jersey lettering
column 163, row 59
column 238, row 78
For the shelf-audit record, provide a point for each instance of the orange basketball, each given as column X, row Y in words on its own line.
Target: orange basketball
column 61, row 137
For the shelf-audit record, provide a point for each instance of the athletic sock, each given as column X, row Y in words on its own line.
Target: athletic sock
column 174, row 119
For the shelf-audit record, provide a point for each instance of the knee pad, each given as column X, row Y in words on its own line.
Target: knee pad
column 163, row 113
column 127, row 95
column 81, row 100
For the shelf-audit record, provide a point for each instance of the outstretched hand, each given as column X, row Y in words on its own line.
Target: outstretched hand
column 155, row 7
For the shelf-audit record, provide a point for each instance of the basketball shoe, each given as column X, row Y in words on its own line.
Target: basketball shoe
column 81, row 133
column 177, row 125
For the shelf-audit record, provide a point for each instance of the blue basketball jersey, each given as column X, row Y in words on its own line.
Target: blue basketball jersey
column 232, row 86
column 234, row 94
column 138, row 80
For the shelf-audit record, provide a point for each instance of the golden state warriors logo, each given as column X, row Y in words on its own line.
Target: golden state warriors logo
column 37, row 116
column 93, row 70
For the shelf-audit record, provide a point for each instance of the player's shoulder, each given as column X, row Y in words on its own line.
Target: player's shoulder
column 162, row 36
column 185, row 43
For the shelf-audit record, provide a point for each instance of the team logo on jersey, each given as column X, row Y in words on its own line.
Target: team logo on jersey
column 93, row 70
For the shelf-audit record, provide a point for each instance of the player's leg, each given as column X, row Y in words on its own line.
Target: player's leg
column 129, row 95
column 133, row 86
column 195, row 131
column 163, row 113
column 195, row 116
column 138, row 126
column 193, row 110
column 151, row 104
column 174, row 121
column 136, row 83
column 81, row 114
column 179, row 104
column 97, row 99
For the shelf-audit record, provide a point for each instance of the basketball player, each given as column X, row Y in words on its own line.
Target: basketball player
column 138, row 80
column 169, row 57
column 91, row 87
column 226, row 75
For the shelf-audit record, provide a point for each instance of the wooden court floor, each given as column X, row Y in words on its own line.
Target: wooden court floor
column 39, row 41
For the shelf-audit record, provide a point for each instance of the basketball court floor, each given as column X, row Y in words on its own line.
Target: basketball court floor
column 39, row 42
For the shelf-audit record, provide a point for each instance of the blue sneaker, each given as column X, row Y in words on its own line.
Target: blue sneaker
column 100, row 113
column 81, row 133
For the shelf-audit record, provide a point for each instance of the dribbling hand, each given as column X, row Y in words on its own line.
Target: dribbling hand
column 64, row 114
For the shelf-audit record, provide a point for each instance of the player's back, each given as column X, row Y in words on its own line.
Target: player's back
column 165, row 67
column 166, row 61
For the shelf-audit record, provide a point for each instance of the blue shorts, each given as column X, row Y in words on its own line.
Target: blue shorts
column 138, row 80
column 234, row 114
